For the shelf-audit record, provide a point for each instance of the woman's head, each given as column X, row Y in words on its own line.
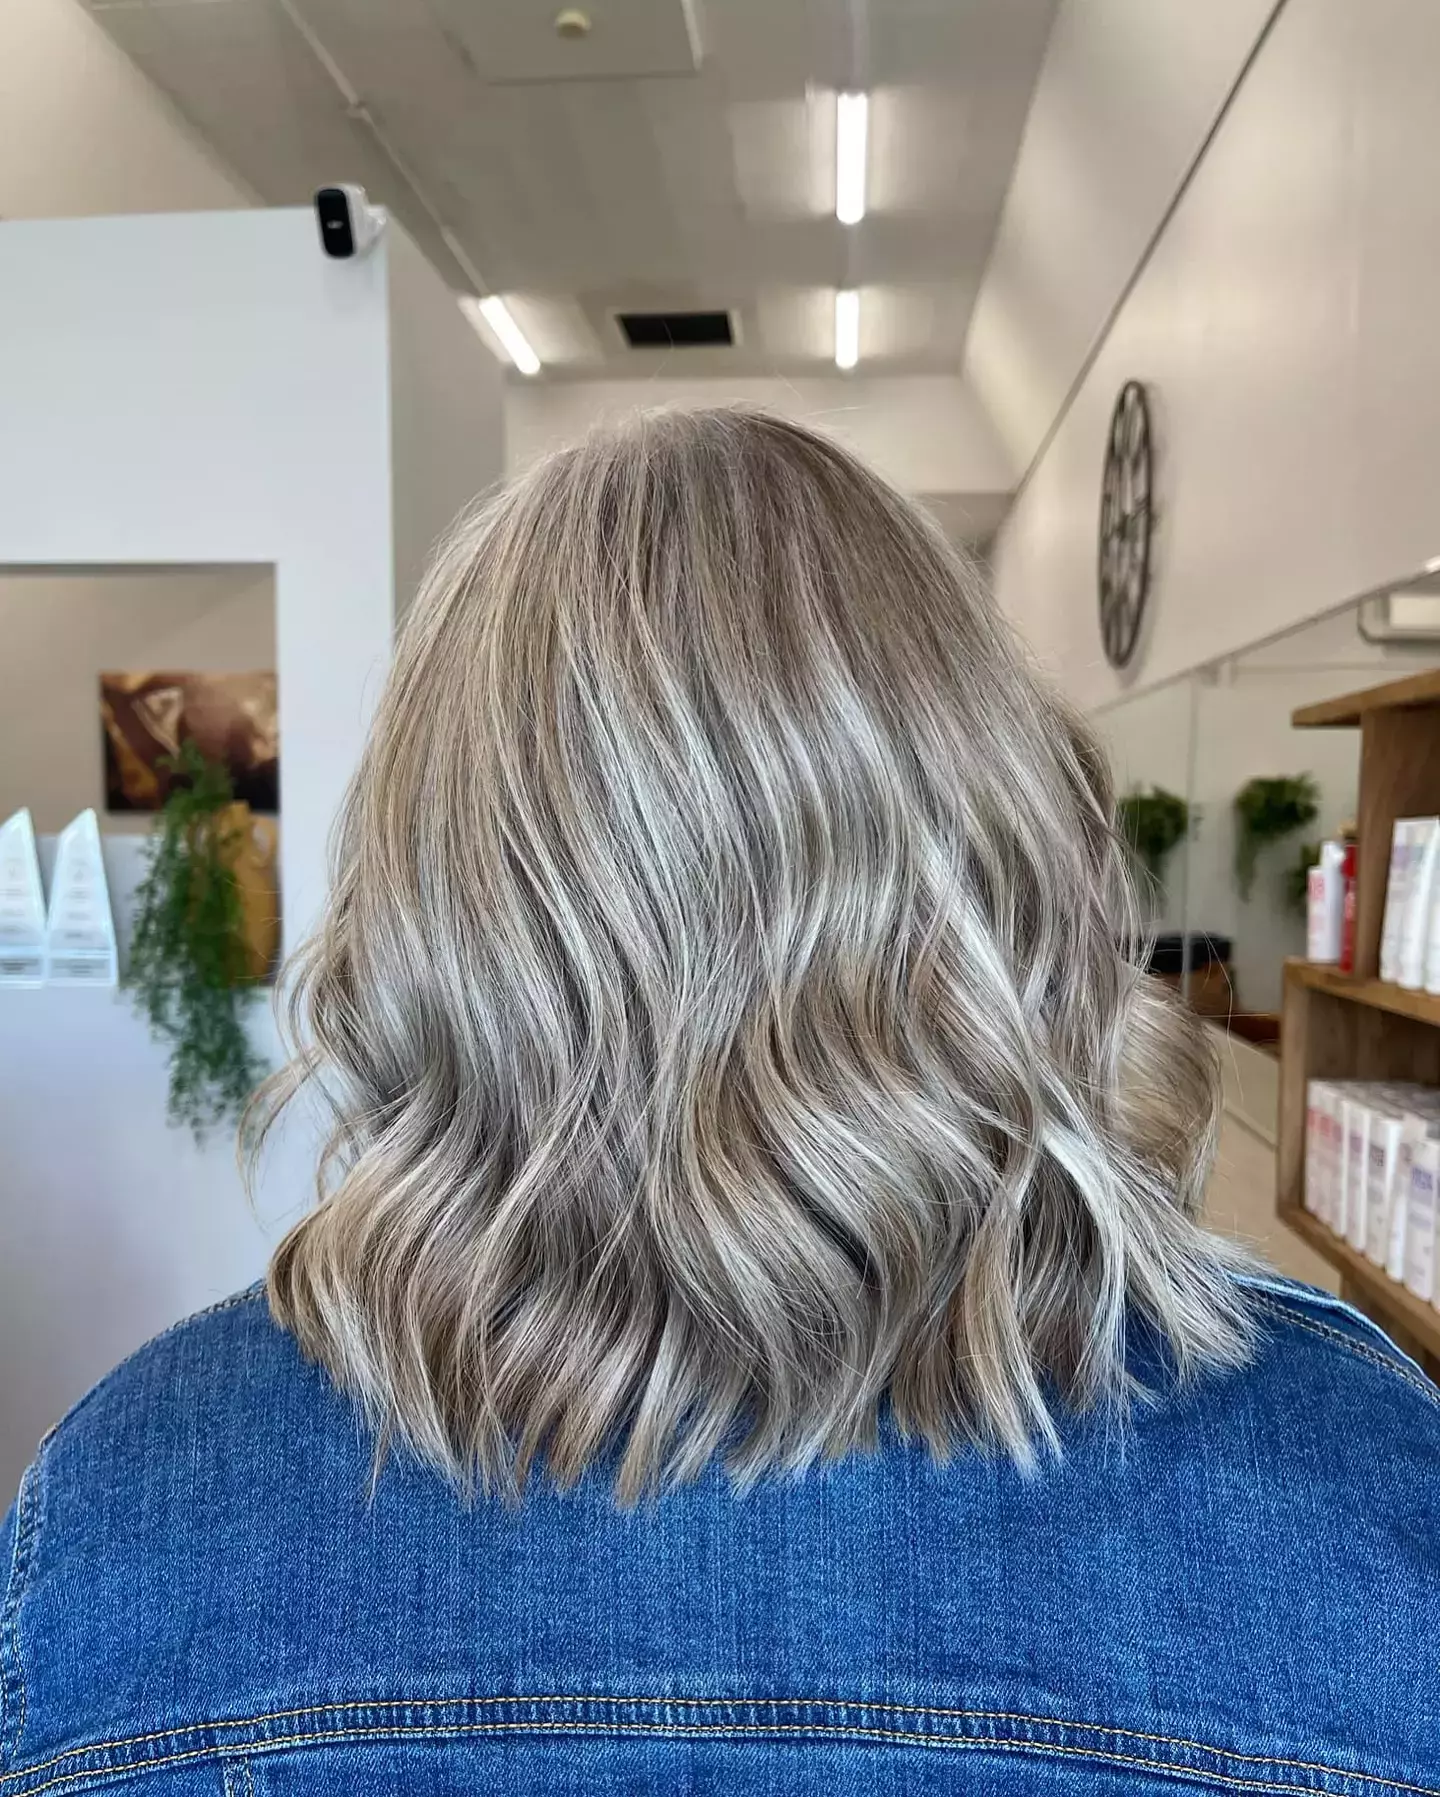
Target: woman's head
column 722, row 996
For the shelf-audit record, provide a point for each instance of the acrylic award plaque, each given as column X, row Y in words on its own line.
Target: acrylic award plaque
column 22, row 905
column 81, row 933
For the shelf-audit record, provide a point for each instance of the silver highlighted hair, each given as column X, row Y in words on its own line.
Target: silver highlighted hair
column 722, row 999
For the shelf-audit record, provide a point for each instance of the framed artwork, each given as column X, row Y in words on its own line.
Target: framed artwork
column 231, row 718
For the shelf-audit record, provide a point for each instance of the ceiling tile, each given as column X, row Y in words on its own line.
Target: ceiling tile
column 580, row 178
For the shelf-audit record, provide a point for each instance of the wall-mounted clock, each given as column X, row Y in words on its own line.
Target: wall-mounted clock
column 1126, row 518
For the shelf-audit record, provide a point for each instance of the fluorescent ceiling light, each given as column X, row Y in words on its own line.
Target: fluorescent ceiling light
column 847, row 328
column 852, row 118
column 511, row 338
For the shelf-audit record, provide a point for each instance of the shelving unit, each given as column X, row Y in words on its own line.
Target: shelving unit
column 1379, row 995
column 1358, row 1026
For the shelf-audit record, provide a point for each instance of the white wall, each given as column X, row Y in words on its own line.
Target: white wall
column 447, row 412
column 82, row 131
column 229, row 402
column 1285, row 327
column 927, row 435
column 61, row 631
column 1125, row 97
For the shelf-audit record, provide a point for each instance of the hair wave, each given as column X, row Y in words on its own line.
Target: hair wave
column 722, row 998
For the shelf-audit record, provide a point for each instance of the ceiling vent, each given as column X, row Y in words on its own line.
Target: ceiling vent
column 676, row 330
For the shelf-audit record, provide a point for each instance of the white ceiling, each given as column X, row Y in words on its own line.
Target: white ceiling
column 680, row 156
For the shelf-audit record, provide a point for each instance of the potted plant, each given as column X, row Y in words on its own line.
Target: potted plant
column 201, row 944
column 1265, row 811
column 1297, row 878
column 1152, row 823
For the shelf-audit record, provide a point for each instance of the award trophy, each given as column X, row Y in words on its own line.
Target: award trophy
column 22, row 905
column 81, row 930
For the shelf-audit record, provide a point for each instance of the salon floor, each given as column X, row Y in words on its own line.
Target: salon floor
column 1241, row 1201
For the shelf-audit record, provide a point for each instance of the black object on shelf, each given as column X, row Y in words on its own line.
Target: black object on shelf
column 1167, row 953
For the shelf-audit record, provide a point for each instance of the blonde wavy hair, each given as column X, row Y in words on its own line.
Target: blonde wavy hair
column 723, row 999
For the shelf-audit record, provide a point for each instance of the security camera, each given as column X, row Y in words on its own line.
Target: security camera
column 349, row 224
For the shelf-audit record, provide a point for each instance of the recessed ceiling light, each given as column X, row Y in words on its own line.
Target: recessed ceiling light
column 852, row 120
column 511, row 338
column 847, row 328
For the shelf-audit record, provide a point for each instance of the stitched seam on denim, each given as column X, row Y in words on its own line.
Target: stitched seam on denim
column 1416, row 1381
column 8, row 1603
column 236, row 1779
column 1309, row 1300
column 1286, row 1293
column 12, row 1667
column 337, row 1710
column 721, row 1732
column 233, row 1302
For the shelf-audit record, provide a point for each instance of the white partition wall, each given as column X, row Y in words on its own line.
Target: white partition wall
column 202, row 389
column 1281, row 324
column 208, row 388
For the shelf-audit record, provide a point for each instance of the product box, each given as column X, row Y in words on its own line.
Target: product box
column 1329, row 1175
column 1420, row 887
column 1420, row 1107
column 1421, row 1171
column 1322, row 1104
column 1382, row 1155
column 1397, row 884
column 1355, row 1160
column 1388, row 1185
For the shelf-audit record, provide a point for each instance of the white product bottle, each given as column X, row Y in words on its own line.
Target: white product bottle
column 1430, row 924
column 1418, row 1192
column 1382, row 1154
column 1397, row 896
column 1356, row 1110
column 1325, row 905
column 1419, row 902
column 1317, row 1103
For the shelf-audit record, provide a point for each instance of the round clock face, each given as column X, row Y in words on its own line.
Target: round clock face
column 1125, row 520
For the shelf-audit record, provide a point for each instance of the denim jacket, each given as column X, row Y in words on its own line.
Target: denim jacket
column 1237, row 1593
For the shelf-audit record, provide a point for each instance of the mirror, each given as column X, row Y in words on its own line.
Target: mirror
column 1226, row 903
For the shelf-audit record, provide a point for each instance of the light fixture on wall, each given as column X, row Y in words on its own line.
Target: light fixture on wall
column 496, row 314
column 852, row 120
column 847, row 327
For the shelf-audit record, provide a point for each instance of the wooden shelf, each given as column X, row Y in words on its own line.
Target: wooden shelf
column 1379, row 995
column 1396, row 695
column 1399, row 728
column 1353, row 1026
column 1337, row 1026
column 1419, row 1319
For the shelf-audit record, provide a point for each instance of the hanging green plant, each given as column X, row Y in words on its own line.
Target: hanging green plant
column 1152, row 823
column 1265, row 811
column 190, row 970
column 1296, row 885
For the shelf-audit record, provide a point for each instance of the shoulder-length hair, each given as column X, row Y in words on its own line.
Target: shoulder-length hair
column 726, row 998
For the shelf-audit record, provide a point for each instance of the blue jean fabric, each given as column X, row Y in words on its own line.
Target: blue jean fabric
column 1239, row 1593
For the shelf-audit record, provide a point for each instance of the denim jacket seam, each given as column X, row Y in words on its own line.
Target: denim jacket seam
column 233, row 1302
column 13, row 1693
column 1362, row 1350
column 1331, row 1779
column 235, row 1776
